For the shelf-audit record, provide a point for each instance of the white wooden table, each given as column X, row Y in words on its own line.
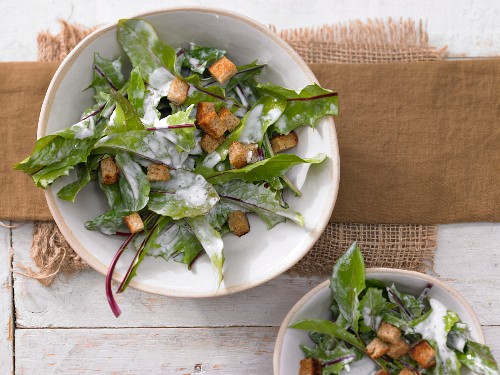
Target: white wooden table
column 68, row 328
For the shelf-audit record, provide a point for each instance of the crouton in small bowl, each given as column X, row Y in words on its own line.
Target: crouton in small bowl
column 253, row 254
column 388, row 344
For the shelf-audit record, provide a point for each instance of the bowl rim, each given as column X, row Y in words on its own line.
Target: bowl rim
column 92, row 260
column 278, row 346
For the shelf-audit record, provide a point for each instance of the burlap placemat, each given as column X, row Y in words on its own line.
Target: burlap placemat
column 384, row 245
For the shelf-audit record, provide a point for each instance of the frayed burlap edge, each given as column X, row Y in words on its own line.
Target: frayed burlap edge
column 384, row 245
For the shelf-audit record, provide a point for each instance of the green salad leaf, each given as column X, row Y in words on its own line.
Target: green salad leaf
column 126, row 118
column 304, row 108
column 261, row 170
column 106, row 73
column 479, row 359
column 154, row 58
column 328, row 328
column 186, row 194
column 179, row 128
column 211, row 241
column 245, row 72
column 198, row 58
column 85, row 174
column 134, row 185
column 258, row 199
column 347, row 282
column 263, row 114
column 371, row 306
column 154, row 146
column 136, row 92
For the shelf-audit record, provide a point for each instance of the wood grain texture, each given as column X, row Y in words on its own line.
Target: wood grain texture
column 467, row 27
column 242, row 350
column 6, row 306
column 266, row 305
column 237, row 350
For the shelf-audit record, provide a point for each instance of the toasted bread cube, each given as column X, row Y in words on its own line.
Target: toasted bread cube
column 209, row 121
column 222, row 70
column 423, row 354
column 382, row 372
column 310, row 366
column 134, row 222
column 398, row 349
column 388, row 333
column 284, row 142
column 178, row 91
column 210, row 144
column 241, row 154
column 238, row 223
column 229, row 120
column 109, row 171
column 376, row 348
column 406, row 371
column 158, row 172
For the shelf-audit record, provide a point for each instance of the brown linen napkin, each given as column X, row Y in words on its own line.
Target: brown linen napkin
column 21, row 96
column 419, row 143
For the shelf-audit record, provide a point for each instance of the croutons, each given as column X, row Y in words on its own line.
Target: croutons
column 238, row 223
column 210, row 144
column 109, row 171
column 134, row 222
column 284, row 142
column 382, row 372
column 229, row 120
column 388, row 333
column 241, row 154
column 158, row 172
column 209, row 121
column 222, row 70
column 424, row 354
column 406, row 371
column 376, row 348
column 310, row 366
column 178, row 91
column 398, row 349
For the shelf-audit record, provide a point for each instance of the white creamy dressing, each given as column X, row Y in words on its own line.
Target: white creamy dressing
column 117, row 67
column 86, row 128
column 433, row 328
column 191, row 188
column 151, row 100
column 165, row 239
column 131, row 172
column 211, row 160
column 220, row 167
column 240, row 112
column 112, row 118
column 256, row 123
column 160, row 79
column 108, row 111
column 369, row 320
column 281, row 123
column 253, row 125
column 241, row 96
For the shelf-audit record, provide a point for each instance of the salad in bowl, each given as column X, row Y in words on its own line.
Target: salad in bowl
column 184, row 144
column 382, row 322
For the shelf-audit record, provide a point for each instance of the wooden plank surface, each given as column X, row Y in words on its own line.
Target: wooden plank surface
column 6, row 305
column 476, row 277
column 467, row 27
column 240, row 350
column 237, row 350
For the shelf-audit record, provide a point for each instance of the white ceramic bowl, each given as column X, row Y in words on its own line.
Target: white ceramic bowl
column 250, row 260
column 316, row 303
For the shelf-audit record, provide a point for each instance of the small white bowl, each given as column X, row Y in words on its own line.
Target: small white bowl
column 251, row 260
column 316, row 303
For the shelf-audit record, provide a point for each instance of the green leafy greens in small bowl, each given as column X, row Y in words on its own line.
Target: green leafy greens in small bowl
column 400, row 333
column 183, row 146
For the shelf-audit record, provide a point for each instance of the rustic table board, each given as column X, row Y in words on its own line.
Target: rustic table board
column 68, row 328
